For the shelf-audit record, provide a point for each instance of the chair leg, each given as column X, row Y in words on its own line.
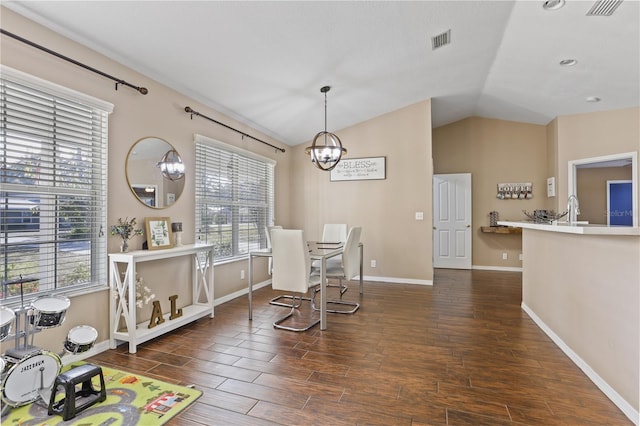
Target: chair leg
column 274, row 301
column 354, row 305
column 293, row 306
column 343, row 288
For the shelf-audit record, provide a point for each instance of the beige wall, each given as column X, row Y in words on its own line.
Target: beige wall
column 386, row 208
column 592, row 135
column 494, row 151
column 161, row 114
column 585, row 289
column 551, row 203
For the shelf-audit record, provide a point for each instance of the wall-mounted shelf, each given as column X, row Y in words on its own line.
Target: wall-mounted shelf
column 501, row 229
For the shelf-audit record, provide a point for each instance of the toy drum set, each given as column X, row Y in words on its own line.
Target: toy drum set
column 28, row 372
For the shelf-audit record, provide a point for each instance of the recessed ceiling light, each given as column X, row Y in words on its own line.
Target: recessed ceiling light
column 568, row 62
column 553, row 4
column 593, row 99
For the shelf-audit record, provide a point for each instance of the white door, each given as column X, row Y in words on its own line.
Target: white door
column 452, row 221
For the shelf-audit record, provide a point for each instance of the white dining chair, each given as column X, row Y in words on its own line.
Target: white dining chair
column 291, row 271
column 334, row 232
column 268, row 235
column 276, row 300
column 345, row 267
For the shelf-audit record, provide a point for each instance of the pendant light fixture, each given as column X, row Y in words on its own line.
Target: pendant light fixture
column 171, row 165
column 326, row 149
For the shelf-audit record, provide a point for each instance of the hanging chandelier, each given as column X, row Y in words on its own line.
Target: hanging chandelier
column 326, row 149
column 171, row 165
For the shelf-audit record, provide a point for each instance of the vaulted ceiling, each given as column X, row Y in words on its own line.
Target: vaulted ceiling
column 264, row 62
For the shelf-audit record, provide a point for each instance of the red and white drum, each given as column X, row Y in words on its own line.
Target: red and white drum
column 6, row 319
column 80, row 339
column 49, row 311
column 28, row 377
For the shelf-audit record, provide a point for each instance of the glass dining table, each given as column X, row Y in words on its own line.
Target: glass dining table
column 318, row 250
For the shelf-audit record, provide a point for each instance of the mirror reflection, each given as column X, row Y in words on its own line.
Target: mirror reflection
column 606, row 187
column 145, row 176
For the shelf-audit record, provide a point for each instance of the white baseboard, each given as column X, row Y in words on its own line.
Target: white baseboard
column 497, row 268
column 266, row 283
column 104, row 346
column 395, row 280
column 96, row 349
column 236, row 294
column 614, row 396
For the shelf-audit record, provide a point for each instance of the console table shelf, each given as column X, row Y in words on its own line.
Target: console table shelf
column 125, row 290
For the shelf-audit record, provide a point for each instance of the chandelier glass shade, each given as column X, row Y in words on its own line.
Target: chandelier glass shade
column 171, row 165
column 326, row 150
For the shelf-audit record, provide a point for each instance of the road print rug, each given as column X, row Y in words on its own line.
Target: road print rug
column 132, row 399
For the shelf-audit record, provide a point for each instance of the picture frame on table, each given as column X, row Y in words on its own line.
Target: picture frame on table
column 158, row 233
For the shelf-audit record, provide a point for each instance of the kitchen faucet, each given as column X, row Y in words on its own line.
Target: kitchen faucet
column 573, row 209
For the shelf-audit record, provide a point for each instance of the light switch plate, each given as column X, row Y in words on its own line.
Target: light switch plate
column 551, row 187
column 419, row 215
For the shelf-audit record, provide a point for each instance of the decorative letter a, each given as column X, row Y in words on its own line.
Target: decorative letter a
column 156, row 315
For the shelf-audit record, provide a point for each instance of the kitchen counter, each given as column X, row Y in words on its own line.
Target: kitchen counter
column 581, row 285
column 586, row 229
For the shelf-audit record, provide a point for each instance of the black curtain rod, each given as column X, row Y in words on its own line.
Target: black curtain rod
column 189, row 110
column 142, row 90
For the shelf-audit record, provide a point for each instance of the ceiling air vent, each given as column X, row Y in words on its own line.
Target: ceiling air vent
column 441, row 40
column 604, row 7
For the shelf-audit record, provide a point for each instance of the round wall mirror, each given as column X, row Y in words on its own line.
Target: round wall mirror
column 145, row 176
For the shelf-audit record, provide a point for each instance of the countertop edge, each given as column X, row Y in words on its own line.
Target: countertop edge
column 576, row 229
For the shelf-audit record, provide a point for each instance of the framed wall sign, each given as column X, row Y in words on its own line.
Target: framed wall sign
column 158, row 233
column 369, row 168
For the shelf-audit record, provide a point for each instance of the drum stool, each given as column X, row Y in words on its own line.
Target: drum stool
column 87, row 395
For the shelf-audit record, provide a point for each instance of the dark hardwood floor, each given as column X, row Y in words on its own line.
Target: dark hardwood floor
column 460, row 353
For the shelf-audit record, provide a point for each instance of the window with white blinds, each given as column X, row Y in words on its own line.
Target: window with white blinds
column 53, row 183
column 234, row 198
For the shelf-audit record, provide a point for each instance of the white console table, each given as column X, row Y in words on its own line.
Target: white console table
column 123, row 290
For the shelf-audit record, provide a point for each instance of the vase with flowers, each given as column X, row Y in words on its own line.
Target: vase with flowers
column 144, row 296
column 125, row 229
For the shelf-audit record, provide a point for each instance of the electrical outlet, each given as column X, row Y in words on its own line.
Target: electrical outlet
column 520, row 256
column 373, row 263
column 505, row 256
column 242, row 274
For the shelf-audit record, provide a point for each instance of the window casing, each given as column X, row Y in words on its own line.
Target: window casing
column 53, row 188
column 234, row 192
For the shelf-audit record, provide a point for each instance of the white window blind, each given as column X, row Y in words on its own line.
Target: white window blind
column 53, row 182
column 234, row 198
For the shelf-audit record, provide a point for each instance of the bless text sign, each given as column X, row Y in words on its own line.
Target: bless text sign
column 360, row 169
